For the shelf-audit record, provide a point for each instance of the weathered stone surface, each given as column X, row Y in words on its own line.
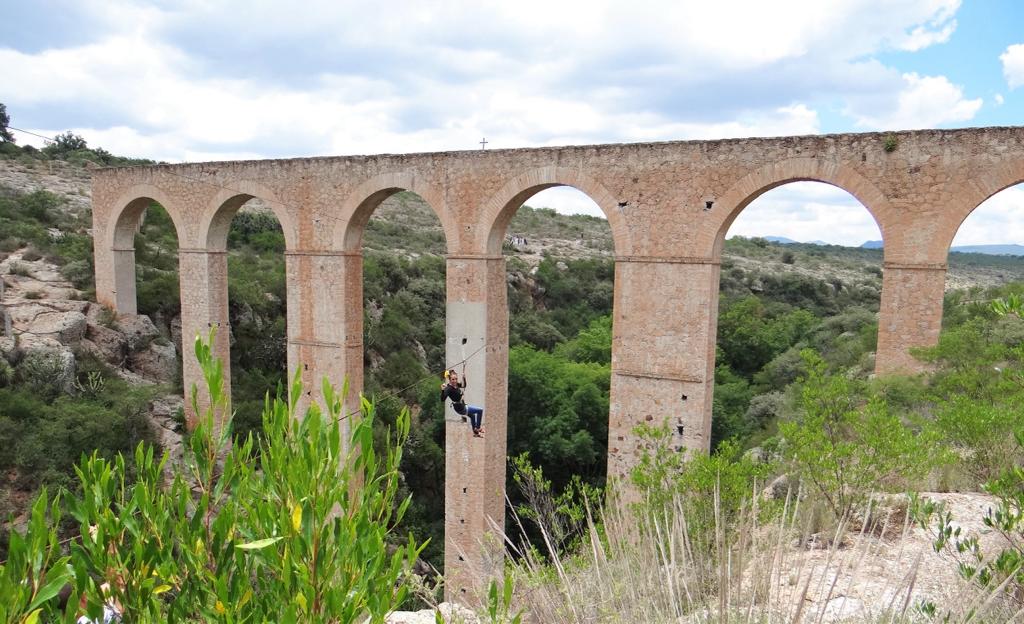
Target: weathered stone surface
column 669, row 206
column 138, row 330
column 65, row 327
column 111, row 346
column 451, row 612
column 158, row 362
column 164, row 420
column 780, row 487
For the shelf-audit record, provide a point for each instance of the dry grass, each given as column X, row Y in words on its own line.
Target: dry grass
column 685, row 564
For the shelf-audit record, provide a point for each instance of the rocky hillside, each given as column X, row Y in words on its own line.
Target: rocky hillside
column 47, row 325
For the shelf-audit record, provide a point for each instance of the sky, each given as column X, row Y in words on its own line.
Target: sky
column 197, row 80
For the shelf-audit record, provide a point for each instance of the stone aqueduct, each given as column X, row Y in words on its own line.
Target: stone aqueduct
column 669, row 206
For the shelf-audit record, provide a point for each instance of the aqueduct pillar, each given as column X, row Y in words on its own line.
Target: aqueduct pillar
column 662, row 353
column 910, row 314
column 203, row 281
column 477, row 329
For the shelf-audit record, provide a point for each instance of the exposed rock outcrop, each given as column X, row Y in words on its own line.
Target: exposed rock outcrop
column 49, row 322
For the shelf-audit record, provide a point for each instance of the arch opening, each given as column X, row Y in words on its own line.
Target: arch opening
column 801, row 267
column 398, row 248
column 560, row 186
column 154, row 239
column 559, row 254
column 247, row 229
column 986, row 255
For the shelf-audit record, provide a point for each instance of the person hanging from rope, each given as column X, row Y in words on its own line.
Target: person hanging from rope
column 452, row 389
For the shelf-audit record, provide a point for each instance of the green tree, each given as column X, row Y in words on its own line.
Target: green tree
column 69, row 142
column 847, row 443
column 5, row 120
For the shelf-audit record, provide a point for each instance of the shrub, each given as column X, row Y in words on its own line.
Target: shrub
column 42, row 372
column 78, row 272
column 984, row 433
column 718, row 483
column 6, row 373
column 34, row 571
column 1003, row 571
column 293, row 524
column 848, row 444
column 17, row 268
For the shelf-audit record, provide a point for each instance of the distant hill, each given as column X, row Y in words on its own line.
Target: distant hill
column 782, row 240
column 990, row 250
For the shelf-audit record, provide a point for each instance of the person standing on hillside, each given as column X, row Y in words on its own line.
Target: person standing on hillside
column 452, row 389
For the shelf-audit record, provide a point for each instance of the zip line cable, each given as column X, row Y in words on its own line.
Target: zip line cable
column 418, row 382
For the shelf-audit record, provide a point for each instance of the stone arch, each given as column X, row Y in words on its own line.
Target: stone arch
column 116, row 285
column 977, row 192
column 359, row 207
column 216, row 220
column 502, row 206
column 776, row 174
column 128, row 209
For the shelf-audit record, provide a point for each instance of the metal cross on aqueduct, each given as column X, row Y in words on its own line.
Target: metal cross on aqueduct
column 669, row 206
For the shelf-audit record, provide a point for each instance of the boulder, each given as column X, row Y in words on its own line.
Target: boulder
column 65, row 327
column 138, row 330
column 450, row 612
column 778, row 489
column 133, row 378
column 158, row 362
column 111, row 346
column 846, row 608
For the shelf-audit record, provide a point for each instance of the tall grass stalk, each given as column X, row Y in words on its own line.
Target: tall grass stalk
column 687, row 563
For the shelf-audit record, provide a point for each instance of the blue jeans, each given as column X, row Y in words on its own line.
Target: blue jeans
column 476, row 416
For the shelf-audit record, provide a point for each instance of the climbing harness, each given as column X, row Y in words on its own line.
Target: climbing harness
column 422, row 379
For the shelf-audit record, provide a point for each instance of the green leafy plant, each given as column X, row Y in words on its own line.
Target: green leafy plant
column 35, row 571
column 562, row 516
column 91, row 383
column 296, row 523
column 847, row 443
column 499, row 603
column 890, row 143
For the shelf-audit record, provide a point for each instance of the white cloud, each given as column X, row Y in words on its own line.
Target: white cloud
column 1013, row 65
column 998, row 220
column 805, row 212
column 922, row 102
column 566, row 200
column 342, row 78
column 998, row 99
